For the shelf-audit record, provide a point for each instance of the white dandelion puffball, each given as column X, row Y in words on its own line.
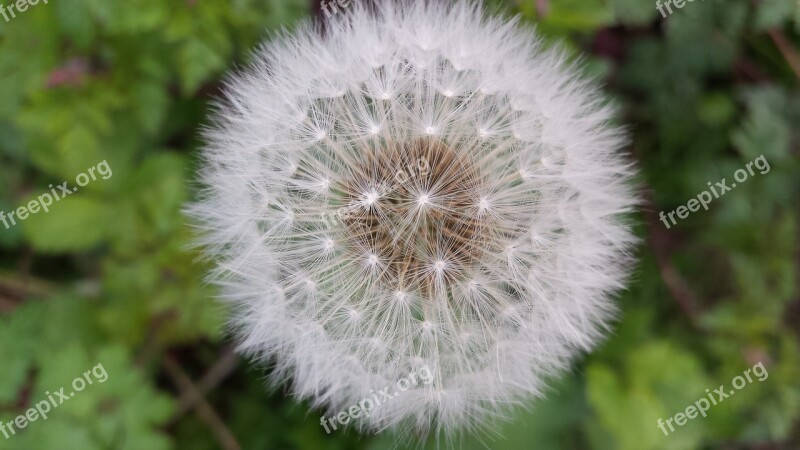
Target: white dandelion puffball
column 415, row 187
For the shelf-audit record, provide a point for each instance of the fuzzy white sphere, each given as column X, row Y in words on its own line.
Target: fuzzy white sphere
column 417, row 188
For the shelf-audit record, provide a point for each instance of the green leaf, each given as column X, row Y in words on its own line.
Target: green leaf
column 656, row 381
column 72, row 224
column 18, row 344
column 109, row 404
column 774, row 13
column 765, row 129
column 716, row 108
column 198, row 61
column 634, row 12
column 576, row 15
column 76, row 21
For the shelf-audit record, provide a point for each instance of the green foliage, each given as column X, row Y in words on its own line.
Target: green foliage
column 775, row 13
column 75, row 224
column 630, row 400
column 58, row 341
column 108, row 276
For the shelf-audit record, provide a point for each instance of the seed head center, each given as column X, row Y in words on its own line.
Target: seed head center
column 420, row 217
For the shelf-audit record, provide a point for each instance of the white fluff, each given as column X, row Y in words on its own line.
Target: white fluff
column 324, row 305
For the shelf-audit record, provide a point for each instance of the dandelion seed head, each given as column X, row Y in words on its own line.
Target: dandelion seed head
column 479, row 196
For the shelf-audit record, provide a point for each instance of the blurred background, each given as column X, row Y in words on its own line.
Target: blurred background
column 106, row 276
